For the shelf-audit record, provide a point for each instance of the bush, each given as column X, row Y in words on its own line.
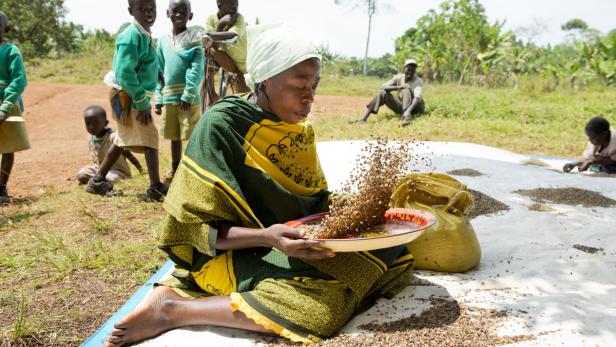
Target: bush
column 37, row 27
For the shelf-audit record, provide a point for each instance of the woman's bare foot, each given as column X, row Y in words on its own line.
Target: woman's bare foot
column 152, row 318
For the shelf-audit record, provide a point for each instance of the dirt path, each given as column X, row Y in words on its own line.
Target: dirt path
column 59, row 139
column 57, row 134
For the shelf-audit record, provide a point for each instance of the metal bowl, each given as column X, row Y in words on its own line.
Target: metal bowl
column 402, row 225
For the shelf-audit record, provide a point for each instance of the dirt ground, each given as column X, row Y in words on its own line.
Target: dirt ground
column 59, row 139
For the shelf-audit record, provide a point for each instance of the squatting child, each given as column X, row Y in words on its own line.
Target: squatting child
column 136, row 73
column 13, row 135
column 181, row 63
column 600, row 153
column 102, row 138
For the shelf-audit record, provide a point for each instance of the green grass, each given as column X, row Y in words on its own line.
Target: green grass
column 70, row 259
column 529, row 122
column 332, row 84
column 78, row 68
column 25, row 331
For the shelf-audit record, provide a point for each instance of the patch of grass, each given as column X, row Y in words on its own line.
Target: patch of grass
column 332, row 84
column 25, row 330
column 79, row 68
column 75, row 272
column 549, row 124
column 97, row 224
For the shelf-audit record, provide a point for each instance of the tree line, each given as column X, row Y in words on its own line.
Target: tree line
column 40, row 29
column 454, row 43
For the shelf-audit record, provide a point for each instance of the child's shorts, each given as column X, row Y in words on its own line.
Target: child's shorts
column 113, row 176
column 13, row 134
column 176, row 125
column 134, row 136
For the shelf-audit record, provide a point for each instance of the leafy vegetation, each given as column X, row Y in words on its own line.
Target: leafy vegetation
column 456, row 43
column 39, row 29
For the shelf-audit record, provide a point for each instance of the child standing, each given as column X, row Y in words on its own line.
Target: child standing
column 600, row 153
column 13, row 135
column 102, row 138
column 136, row 72
column 181, row 62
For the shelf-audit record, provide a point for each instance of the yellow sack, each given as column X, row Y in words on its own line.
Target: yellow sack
column 451, row 244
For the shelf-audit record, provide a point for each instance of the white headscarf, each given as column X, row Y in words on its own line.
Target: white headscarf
column 273, row 49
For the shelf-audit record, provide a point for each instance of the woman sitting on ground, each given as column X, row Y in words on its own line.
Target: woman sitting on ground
column 251, row 164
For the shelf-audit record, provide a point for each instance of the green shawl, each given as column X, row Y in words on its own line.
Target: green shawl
column 245, row 166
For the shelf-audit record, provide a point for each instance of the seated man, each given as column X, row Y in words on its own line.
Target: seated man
column 600, row 153
column 409, row 101
column 228, row 23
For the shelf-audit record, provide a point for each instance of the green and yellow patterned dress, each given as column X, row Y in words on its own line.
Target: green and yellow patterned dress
column 245, row 166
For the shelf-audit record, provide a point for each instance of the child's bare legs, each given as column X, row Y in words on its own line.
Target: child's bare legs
column 157, row 190
column 98, row 184
column 165, row 310
column 112, row 156
column 6, row 167
column 151, row 160
column 176, row 155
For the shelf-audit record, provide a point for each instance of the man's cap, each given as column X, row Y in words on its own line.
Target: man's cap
column 410, row 62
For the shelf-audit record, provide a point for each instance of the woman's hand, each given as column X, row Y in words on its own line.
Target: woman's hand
column 287, row 240
column 291, row 242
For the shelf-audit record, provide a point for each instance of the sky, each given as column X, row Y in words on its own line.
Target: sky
column 344, row 30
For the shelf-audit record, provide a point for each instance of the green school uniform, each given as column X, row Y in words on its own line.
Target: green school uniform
column 181, row 62
column 13, row 79
column 135, row 65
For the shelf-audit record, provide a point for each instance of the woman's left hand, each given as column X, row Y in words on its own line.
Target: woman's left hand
column 291, row 242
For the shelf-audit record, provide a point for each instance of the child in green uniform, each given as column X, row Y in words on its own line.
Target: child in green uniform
column 102, row 138
column 13, row 135
column 136, row 71
column 230, row 56
column 180, row 59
